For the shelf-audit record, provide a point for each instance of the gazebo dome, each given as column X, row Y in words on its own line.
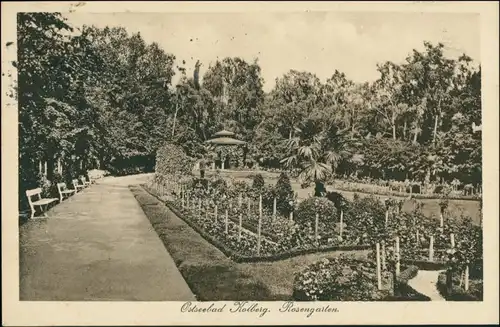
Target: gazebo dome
column 225, row 141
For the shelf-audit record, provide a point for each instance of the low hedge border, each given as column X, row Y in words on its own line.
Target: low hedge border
column 425, row 265
column 418, row 196
column 457, row 294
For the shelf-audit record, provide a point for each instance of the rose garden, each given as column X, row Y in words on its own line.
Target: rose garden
column 382, row 247
column 309, row 189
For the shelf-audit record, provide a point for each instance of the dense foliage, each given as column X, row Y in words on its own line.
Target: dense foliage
column 102, row 98
column 172, row 160
column 339, row 279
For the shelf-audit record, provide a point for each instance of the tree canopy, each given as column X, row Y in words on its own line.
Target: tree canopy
column 101, row 97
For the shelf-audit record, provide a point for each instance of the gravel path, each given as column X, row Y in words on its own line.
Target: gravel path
column 98, row 245
column 425, row 283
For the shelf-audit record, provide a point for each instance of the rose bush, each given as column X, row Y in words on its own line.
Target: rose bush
column 339, row 279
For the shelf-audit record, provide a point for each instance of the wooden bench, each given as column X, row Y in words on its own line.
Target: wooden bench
column 41, row 202
column 64, row 191
column 77, row 186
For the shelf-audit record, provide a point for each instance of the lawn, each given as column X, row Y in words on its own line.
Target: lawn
column 210, row 274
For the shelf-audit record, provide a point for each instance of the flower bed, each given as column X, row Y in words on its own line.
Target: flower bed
column 457, row 291
column 247, row 252
column 341, row 279
column 364, row 222
column 345, row 279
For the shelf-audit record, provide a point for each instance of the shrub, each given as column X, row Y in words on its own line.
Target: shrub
column 337, row 279
column 307, row 210
column 284, row 195
column 241, row 187
column 172, row 160
column 268, row 193
column 457, row 292
column 56, row 178
column 365, row 218
column 258, row 181
column 45, row 185
column 338, row 200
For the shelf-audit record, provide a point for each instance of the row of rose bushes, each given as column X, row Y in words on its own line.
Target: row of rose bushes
column 347, row 279
column 360, row 226
column 363, row 218
column 245, row 249
column 295, row 241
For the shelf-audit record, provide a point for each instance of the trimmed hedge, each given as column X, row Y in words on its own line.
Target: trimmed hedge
column 406, row 195
column 172, row 160
column 426, row 265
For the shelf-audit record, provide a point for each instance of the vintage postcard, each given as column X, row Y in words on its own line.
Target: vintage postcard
column 200, row 163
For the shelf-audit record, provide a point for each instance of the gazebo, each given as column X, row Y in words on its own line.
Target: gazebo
column 224, row 138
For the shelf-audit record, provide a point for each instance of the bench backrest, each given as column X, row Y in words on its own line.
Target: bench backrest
column 30, row 193
column 61, row 186
column 75, row 182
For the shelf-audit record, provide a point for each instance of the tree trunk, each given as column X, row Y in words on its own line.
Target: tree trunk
column 436, row 120
column 352, row 120
column 415, row 135
column 175, row 117
column 404, row 130
column 393, row 127
column 49, row 169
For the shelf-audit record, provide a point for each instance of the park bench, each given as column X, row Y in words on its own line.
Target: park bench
column 77, row 186
column 64, row 191
column 42, row 203
column 84, row 181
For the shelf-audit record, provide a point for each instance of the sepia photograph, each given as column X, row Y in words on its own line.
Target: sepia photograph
column 227, row 159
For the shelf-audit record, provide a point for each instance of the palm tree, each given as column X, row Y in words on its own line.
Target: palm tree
column 316, row 152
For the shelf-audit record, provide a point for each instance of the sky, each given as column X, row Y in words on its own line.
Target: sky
column 318, row 42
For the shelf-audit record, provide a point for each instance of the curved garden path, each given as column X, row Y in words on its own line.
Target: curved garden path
column 98, row 245
column 425, row 283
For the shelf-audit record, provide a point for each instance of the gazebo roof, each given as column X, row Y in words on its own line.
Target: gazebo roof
column 224, row 133
column 225, row 141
